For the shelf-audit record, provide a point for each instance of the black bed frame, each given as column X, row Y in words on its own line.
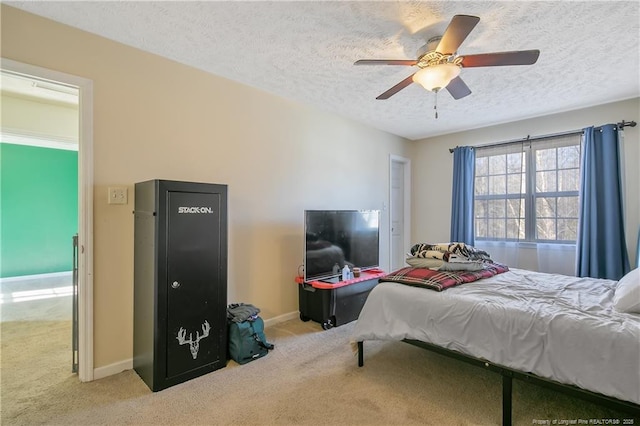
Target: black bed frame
column 509, row 374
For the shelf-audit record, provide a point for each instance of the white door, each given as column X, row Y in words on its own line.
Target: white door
column 399, row 214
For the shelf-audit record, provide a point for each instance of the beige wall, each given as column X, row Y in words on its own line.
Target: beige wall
column 432, row 162
column 154, row 118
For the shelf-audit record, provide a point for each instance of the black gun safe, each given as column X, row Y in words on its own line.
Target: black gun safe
column 180, row 281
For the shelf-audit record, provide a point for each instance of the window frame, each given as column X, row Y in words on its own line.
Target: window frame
column 530, row 197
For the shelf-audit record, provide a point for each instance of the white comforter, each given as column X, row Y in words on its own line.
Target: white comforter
column 558, row 327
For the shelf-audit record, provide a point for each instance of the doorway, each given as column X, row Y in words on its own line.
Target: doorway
column 400, row 210
column 84, row 88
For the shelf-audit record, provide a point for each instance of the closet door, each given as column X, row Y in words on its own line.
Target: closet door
column 194, row 266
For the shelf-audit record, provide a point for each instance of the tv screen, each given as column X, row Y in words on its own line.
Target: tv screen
column 334, row 238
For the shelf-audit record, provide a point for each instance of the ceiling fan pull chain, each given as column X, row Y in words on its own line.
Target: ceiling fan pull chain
column 435, row 105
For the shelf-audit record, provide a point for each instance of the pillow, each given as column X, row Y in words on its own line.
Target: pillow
column 424, row 262
column 627, row 295
column 441, row 265
column 461, row 266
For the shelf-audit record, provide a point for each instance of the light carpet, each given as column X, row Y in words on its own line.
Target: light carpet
column 310, row 378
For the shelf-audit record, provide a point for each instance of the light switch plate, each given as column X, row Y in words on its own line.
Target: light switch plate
column 117, row 195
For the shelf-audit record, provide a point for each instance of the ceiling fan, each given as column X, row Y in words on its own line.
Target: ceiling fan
column 440, row 65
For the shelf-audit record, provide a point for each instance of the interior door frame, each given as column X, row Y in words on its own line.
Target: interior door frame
column 85, row 203
column 407, row 202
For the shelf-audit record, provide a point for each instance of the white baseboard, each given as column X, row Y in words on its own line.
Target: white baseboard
column 127, row 364
column 111, row 369
column 281, row 318
column 35, row 277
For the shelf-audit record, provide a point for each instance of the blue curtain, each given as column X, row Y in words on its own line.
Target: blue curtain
column 638, row 251
column 601, row 246
column 464, row 169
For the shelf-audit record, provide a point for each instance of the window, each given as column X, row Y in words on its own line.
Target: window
column 528, row 191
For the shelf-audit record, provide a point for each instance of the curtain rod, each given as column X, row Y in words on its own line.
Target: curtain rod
column 621, row 125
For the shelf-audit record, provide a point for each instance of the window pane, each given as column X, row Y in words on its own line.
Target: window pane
column 546, row 181
column 481, row 186
column 482, row 167
column 496, row 228
column 546, row 207
column 546, row 159
column 569, row 180
column 515, row 163
column 497, row 185
column 515, row 208
column 496, row 208
column 497, row 165
column 516, row 184
column 567, row 229
column 480, row 208
column 546, row 229
column 515, row 229
column 569, row 157
column 568, row 207
column 481, row 228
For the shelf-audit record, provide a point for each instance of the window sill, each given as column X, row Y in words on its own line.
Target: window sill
column 527, row 245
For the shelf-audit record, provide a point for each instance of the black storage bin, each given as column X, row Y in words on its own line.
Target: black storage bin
column 336, row 304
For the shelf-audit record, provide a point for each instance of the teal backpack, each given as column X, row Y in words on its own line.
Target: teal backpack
column 247, row 340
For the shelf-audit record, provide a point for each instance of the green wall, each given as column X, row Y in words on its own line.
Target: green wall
column 38, row 209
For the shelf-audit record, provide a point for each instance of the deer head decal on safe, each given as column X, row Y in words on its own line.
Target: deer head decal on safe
column 194, row 345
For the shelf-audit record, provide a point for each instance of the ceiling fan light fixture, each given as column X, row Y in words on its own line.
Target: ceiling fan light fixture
column 436, row 77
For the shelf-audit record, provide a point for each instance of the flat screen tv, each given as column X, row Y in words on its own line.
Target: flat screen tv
column 334, row 238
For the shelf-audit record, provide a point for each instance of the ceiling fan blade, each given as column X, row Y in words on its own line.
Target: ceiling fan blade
column 458, row 88
column 395, row 89
column 518, row 57
column 386, row 62
column 458, row 29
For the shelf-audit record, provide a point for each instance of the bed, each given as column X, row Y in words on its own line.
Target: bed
column 553, row 330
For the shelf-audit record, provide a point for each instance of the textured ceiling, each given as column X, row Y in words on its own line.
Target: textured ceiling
column 305, row 51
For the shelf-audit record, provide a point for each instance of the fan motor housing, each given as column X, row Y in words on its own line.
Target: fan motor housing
column 430, row 46
column 427, row 55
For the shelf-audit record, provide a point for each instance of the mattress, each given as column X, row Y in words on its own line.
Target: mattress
column 554, row 326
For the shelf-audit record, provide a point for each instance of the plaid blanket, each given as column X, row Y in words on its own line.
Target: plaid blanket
column 441, row 280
